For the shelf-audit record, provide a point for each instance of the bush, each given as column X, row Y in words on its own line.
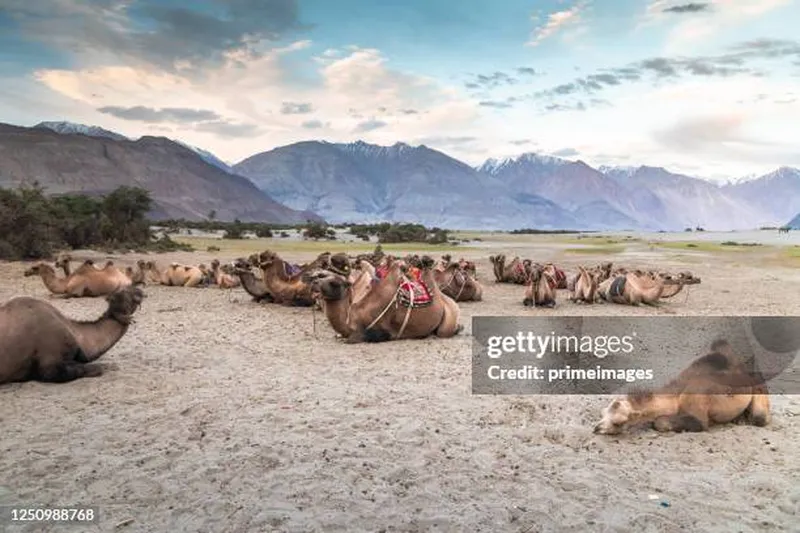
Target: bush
column 34, row 226
column 317, row 230
column 235, row 230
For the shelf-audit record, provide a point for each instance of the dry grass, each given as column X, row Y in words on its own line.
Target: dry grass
column 249, row 246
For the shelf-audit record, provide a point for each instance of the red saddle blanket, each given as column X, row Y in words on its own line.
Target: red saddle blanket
column 414, row 293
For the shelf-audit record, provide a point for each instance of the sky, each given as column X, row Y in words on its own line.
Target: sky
column 710, row 89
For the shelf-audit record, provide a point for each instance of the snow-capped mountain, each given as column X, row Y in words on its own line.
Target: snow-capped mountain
column 82, row 129
column 619, row 172
column 208, row 157
column 776, row 193
column 528, row 160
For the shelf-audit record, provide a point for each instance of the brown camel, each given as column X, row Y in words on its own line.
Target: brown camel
column 635, row 288
column 514, row 272
column 457, row 282
column 175, row 275
column 37, row 342
column 584, row 287
column 558, row 278
column 716, row 388
column 398, row 306
column 285, row 283
column 222, row 279
column 254, row 286
column 86, row 281
column 540, row 290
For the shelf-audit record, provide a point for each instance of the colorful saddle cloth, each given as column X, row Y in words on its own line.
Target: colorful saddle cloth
column 380, row 273
column 617, row 286
column 413, row 292
column 292, row 270
column 519, row 269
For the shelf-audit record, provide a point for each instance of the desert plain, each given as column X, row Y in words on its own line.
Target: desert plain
column 218, row 414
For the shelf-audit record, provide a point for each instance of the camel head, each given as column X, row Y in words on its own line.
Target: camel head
column 38, row 269
column 329, row 285
column 123, row 303
column 252, row 260
column 615, row 417
column 266, row 258
column 215, row 264
column 63, row 260
column 446, row 259
column 339, row 264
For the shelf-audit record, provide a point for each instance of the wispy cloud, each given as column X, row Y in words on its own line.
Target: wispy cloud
column 369, row 125
column 744, row 58
column 294, row 108
column 167, row 114
column 688, row 8
column 557, row 22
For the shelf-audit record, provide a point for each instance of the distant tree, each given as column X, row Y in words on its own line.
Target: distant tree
column 234, row 231
column 212, row 215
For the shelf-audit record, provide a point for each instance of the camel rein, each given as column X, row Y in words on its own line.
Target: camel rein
column 389, row 305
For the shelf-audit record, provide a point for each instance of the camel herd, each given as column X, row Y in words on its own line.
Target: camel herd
column 366, row 298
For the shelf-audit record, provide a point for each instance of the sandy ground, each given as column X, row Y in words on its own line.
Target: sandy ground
column 218, row 414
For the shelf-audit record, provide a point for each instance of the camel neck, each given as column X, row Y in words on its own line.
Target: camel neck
column 98, row 336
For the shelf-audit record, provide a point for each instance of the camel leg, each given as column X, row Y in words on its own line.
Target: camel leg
column 63, row 372
column 693, row 416
column 449, row 326
column 758, row 411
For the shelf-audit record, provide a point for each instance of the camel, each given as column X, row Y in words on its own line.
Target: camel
column 457, row 282
column 558, row 278
column 86, row 281
column 37, row 342
column 286, row 288
column 396, row 307
column 636, row 288
column 540, row 290
column 584, row 287
column 716, row 388
column 175, row 275
column 514, row 272
column 252, row 285
column 223, row 279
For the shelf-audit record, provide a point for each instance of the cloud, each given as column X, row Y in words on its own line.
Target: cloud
column 369, row 125
column 578, row 106
column 495, row 104
column 172, row 37
column 688, row 8
column 709, row 18
column 566, row 152
column 556, row 22
column 167, row 114
column 743, row 58
column 292, row 108
column 312, row 124
column 225, row 129
column 490, row 81
column 447, row 141
column 522, row 142
column 527, row 71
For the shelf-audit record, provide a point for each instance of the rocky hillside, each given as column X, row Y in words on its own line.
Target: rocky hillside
column 181, row 183
column 360, row 182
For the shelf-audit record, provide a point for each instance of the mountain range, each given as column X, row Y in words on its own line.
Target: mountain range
column 182, row 184
column 361, row 182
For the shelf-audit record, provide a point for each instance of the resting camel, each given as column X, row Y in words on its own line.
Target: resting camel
column 285, row 288
column 716, row 388
column 175, row 275
column 222, row 279
column 252, row 285
column 584, row 287
column 396, row 307
column 514, row 272
column 137, row 273
column 37, row 342
column 540, row 290
column 558, row 278
column 637, row 288
column 456, row 281
column 86, row 281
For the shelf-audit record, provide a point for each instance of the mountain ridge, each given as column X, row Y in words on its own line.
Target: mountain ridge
column 181, row 183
